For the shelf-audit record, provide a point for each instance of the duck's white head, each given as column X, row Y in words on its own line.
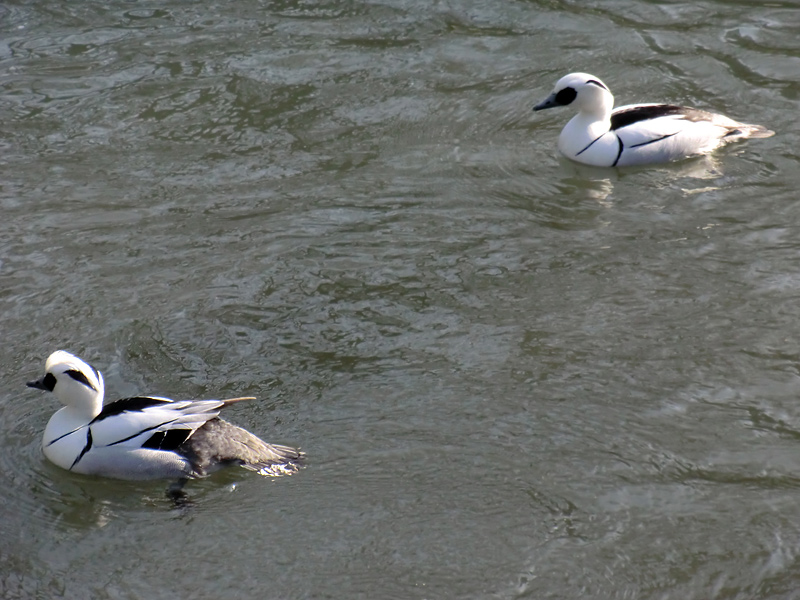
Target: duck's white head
column 76, row 383
column 585, row 92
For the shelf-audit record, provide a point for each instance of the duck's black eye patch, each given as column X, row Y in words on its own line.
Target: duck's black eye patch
column 80, row 377
column 49, row 382
column 566, row 96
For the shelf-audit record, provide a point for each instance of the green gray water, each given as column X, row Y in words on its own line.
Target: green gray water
column 514, row 377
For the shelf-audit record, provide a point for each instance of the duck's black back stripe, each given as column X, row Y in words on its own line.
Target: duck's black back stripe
column 86, row 448
column 619, row 152
column 663, row 137
column 635, row 114
column 589, row 145
column 167, row 440
column 137, row 403
column 80, row 377
column 141, row 431
column 51, row 442
column 620, row 147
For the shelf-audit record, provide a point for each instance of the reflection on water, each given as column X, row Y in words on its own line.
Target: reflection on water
column 513, row 376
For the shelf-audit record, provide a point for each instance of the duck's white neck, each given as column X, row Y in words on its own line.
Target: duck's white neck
column 596, row 106
column 87, row 407
column 80, row 399
column 596, row 125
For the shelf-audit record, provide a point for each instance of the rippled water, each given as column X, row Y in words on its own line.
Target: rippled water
column 514, row 377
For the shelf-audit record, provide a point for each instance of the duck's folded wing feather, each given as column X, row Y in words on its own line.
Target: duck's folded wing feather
column 132, row 422
column 639, row 125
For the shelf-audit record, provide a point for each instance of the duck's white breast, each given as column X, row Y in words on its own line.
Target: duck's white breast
column 64, row 450
column 589, row 142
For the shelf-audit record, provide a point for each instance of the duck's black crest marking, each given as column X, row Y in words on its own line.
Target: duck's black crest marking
column 597, row 83
column 86, row 448
column 137, row 403
column 80, row 378
column 167, row 440
column 141, row 431
column 566, row 96
column 629, row 116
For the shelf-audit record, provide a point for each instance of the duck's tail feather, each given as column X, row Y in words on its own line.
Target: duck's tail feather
column 228, row 401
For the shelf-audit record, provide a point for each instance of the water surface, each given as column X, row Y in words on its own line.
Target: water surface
column 514, row 377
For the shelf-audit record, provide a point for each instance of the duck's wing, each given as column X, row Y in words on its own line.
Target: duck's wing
column 642, row 124
column 151, row 422
column 623, row 116
column 650, row 133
